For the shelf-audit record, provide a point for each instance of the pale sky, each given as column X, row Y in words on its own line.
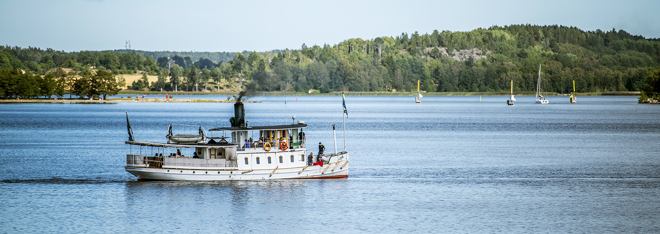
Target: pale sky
column 266, row 25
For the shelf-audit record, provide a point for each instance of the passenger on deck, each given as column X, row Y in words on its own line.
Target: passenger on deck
column 247, row 143
column 310, row 159
column 324, row 159
column 321, row 149
column 195, row 155
column 301, row 138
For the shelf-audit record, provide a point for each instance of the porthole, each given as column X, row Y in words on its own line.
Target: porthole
column 281, row 159
column 292, row 158
column 258, row 161
column 269, row 160
column 246, row 161
column 302, row 157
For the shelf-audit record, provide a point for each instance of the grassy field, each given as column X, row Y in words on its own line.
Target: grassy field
column 130, row 78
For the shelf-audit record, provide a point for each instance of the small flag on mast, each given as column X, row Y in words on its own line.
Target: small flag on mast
column 343, row 103
column 130, row 130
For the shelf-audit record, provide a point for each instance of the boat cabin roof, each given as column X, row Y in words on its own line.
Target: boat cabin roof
column 201, row 145
column 272, row 127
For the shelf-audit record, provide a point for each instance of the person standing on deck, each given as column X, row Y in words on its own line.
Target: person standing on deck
column 301, row 138
column 321, row 149
column 310, row 159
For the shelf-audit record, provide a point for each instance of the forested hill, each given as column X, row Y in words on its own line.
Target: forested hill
column 478, row 60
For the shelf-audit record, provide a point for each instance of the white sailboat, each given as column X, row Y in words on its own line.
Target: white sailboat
column 418, row 99
column 539, row 98
column 513, row 99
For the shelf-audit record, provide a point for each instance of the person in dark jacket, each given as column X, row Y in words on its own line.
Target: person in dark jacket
column 321, row 149
column 310, row 159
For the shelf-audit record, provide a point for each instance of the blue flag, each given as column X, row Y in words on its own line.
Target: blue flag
column 343, row 103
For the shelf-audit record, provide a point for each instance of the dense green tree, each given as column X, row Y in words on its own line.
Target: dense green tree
column 651, row 86
column 175, row 76
column 47, row 85
column 107, row 83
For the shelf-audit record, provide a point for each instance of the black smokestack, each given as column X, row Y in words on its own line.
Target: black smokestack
column 239, row 110
column 239, row 115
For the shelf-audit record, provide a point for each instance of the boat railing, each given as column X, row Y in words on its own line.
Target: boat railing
column 135, row 160
column 275, row 145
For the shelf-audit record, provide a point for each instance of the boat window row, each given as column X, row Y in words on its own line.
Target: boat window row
column 281, row 159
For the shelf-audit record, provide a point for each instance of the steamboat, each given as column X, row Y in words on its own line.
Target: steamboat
column 279, row 153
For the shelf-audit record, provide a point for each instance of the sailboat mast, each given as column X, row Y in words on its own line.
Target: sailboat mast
column 418, row 86
column 574, row 86
column 511, row 87
column 538, row 83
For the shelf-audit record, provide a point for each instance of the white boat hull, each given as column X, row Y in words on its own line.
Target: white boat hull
column 201, row 174
column 542, row 101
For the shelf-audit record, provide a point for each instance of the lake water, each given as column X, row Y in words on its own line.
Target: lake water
column 449, row 164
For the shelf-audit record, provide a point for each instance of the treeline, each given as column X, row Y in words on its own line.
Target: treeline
column 478, row 60
column 17, row 83
column 216, row 57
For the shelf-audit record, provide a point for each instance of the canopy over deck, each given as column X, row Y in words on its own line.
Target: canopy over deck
column 272, row 127
column 201, row 145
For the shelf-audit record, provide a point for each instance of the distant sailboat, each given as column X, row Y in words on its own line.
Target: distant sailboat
column 418, row 99
column 539, row 98
column 573, row 98
column 513, row 99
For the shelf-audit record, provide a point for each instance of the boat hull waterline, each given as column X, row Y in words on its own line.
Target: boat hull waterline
column 311, row 172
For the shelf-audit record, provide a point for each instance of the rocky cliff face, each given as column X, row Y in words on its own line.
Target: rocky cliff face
column 460, row 55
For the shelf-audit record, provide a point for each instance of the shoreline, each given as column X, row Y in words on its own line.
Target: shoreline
column 118, row 100
column 529, row 93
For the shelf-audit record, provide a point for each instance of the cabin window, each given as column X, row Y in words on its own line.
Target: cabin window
column 292, row 158
column 269, row 160
column 302, row 157
column 281, row 159
column 246, row 161
column 258, row 160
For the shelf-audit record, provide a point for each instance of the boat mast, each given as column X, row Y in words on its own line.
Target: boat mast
column 538, row 84
column 511, row 87
column 344, row 121
column 334, row 134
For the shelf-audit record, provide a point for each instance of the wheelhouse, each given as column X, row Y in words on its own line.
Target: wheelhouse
column 264, row 138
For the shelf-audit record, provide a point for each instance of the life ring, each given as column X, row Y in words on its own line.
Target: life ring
column 283, row 145
column 267, row 144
